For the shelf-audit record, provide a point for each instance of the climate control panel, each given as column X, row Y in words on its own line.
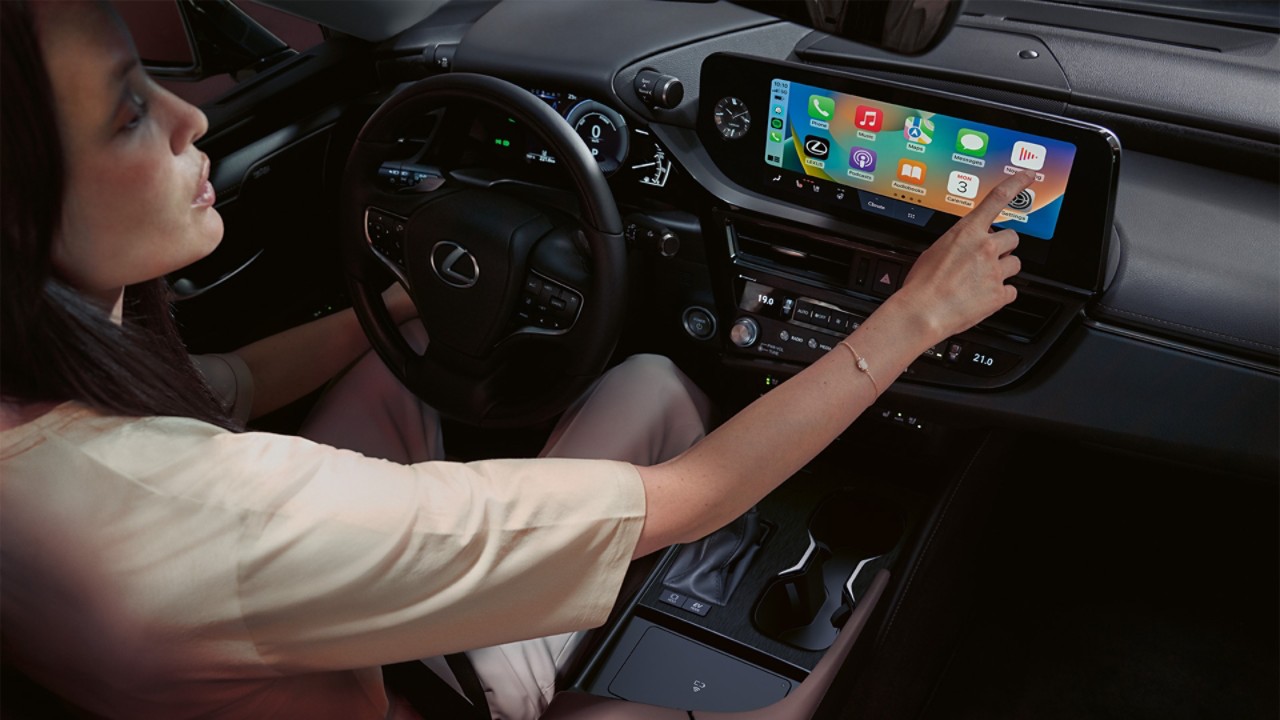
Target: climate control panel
column 776, row 323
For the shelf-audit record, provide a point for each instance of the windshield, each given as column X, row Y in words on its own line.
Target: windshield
column 1263, row 14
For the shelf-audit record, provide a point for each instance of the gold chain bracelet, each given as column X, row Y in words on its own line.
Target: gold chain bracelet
column 861, row 363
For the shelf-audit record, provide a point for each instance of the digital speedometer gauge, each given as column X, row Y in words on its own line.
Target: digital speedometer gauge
column 604, row 131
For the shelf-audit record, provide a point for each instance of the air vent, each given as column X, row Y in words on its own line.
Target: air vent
column 1023, row 319
column 799, row 254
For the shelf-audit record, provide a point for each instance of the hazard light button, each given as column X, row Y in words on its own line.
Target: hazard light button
column 886, row 278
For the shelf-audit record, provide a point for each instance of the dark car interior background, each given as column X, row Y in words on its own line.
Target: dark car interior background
column 1070, row 511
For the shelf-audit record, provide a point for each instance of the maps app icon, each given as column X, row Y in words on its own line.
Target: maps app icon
column 918, row 130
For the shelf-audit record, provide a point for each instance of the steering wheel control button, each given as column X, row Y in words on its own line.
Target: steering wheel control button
column 699, row 323
column 386, row 233
column 547, row 305
column 419, row 178
column 745, row 332
column 659, row 90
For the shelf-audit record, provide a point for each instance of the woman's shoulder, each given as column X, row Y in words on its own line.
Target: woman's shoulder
column 14, row 415
column 72, row 427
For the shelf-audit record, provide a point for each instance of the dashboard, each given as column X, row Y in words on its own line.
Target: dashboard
column 776, row 184
column 1108, row 337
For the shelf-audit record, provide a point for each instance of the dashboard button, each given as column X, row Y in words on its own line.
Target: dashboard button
column 820, row 316
column 804, row 311
column 886, row 277
column 699, row 323
column 744, row 332
column 842, row 322
column 671, row 597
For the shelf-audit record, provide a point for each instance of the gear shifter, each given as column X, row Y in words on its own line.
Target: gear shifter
column 711, row 568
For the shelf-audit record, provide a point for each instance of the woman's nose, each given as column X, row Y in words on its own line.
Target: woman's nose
column 191, row 124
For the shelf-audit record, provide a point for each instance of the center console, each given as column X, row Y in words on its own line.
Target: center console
column 826, row 188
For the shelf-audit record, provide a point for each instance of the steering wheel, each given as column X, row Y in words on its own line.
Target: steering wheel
column 522, row 305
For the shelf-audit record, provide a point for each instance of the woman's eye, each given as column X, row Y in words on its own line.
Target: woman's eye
column 138, row 111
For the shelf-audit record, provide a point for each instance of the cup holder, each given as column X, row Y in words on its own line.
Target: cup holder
column 806, row 605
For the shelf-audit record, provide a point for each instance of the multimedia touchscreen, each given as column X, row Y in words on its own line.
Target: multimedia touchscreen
column 903, row 164
column 927, row 160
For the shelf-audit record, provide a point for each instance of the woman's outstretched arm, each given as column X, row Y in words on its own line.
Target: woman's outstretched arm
column 294, row 362
column 955, row 283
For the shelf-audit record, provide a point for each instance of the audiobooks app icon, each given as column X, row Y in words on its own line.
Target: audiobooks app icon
column 911, row 172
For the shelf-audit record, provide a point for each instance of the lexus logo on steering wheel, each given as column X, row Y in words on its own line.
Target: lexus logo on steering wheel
column 454, row 264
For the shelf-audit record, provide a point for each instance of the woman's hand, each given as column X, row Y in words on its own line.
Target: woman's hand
column 399, row 304
column 959, row 280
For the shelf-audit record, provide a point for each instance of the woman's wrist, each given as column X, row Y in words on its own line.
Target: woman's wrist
column 911, row 319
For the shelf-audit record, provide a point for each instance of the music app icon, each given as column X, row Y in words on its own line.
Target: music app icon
column 868, row 118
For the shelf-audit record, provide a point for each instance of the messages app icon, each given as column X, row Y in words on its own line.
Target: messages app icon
column 821, row 107
column 971, row 142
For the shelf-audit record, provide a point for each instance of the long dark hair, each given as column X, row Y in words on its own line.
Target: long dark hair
column 55, row 344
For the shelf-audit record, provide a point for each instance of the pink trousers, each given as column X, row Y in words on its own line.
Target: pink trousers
column 643, row 411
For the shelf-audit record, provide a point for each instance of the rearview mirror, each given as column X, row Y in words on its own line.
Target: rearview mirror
column 908, row 27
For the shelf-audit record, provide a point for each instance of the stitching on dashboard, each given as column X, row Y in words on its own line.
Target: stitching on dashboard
column 1169, row 323
column 893, row 616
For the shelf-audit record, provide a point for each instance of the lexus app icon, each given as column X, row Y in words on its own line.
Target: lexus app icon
column 817, row 147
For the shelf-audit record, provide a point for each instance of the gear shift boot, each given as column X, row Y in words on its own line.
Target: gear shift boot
column 711, row 568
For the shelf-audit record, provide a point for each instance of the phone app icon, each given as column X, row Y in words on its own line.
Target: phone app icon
column 971, row 142
column 1028, row 155
column 912, row 172
column 863, row 158
column 918, row 130
column 1023, row 200
column 822, row 107
column 868, row 118
column 963, row 184
column 816, row 147
column 775, row 136
column 776, row 123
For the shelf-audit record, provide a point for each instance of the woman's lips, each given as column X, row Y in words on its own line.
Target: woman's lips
column 205, row 195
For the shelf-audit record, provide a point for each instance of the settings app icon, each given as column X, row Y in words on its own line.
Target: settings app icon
column 1023, row 200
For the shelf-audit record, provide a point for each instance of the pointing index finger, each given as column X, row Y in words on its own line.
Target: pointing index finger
column 999, row 198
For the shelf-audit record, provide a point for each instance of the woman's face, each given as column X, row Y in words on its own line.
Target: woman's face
column 138, row 203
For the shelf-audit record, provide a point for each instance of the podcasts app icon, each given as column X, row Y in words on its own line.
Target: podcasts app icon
column 863, row 159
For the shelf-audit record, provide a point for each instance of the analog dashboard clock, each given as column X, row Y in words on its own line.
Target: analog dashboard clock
column 732, row 117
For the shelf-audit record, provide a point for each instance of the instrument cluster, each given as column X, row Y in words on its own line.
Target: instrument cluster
column 625, row 153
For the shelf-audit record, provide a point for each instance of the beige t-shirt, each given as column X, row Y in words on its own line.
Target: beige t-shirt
column 163, row 567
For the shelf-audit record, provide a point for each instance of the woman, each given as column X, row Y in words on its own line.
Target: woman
column 155, row 563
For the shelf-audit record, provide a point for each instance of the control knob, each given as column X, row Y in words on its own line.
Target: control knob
column 659, row 90
column 744, row 332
